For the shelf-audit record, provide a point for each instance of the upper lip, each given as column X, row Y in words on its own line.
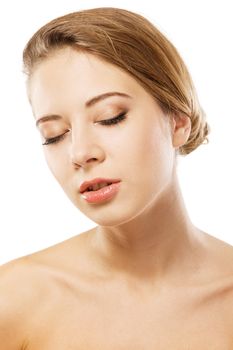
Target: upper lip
column 84, row 185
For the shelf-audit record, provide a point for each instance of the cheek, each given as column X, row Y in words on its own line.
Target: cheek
column 56, row 163
column 147, row 144
column 150, row 155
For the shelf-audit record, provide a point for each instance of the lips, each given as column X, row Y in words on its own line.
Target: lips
column 86, row 184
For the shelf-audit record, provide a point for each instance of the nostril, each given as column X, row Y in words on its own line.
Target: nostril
column 91, row 159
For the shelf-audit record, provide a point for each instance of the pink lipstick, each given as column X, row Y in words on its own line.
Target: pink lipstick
column 99, row 189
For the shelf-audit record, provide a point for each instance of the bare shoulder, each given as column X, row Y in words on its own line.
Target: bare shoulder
column 219, row 275
column 219, row 255
column 31, row 285
column 221, row 251
column 26, row 288
column 18, row 295
column 30, row 277
column 19, row 279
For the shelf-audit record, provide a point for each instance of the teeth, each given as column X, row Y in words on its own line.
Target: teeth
column 96, row 187
column 106, row 184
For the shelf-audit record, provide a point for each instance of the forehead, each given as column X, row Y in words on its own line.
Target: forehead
column 67, row 79
column 69, row 68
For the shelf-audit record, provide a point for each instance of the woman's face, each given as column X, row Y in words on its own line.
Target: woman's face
column 138, row 150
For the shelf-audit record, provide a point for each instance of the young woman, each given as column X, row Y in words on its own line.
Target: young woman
column 115, row 106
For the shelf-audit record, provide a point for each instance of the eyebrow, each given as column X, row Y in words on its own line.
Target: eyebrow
column 88, row 104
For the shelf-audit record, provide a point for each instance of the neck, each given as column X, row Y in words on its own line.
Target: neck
column 161, row 242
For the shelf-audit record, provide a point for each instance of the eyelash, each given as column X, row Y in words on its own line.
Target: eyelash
column 107, row 122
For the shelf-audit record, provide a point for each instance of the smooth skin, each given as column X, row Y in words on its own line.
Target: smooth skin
column 145, row 277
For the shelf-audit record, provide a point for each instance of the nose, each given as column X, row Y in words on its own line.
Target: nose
column 84, row 150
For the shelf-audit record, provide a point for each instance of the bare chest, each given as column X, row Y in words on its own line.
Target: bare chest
column 99, row 321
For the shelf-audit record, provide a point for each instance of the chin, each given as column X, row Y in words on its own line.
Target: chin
column 113, row 216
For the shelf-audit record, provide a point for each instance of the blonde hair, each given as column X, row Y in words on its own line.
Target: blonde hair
column 131, row 42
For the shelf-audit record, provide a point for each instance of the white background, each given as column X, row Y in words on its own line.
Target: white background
column 35, row 212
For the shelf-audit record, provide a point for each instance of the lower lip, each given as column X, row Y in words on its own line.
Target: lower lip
column 102, row 194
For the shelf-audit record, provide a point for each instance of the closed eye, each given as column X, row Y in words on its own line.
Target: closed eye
column 115, row 120
column 107, row 122
column 54, row 139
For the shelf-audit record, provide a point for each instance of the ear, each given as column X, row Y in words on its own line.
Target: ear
column 181, row 125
